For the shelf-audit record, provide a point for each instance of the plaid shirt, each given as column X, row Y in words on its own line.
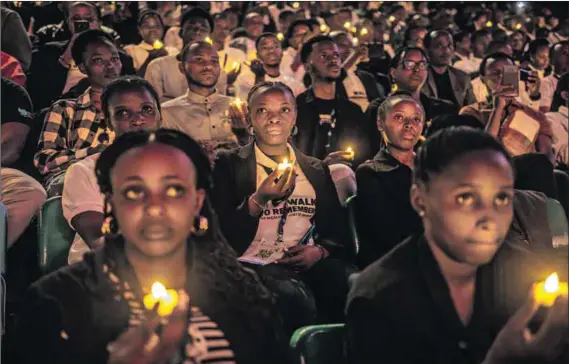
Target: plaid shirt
column 70, row 133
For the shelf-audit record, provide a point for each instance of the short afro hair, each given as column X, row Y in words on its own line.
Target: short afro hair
column 197, row 13
column 88, row 37
column 307, row 47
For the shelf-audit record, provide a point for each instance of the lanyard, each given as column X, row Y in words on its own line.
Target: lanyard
column 282, row 221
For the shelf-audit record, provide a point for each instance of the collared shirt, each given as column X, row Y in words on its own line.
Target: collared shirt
column 70, row 133
column 202, row 118
column 139, row 52
column 81, row 193
column 560, row 125
column 469, row 65
column 300, row 206
column 286, row 63
column 164, row 75
column 246, row 81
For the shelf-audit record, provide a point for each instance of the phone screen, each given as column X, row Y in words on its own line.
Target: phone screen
column 511, row 77
column 80, row 26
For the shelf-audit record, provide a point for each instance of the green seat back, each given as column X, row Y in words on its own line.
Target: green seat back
column 351, row 206
column 55, row 236
column 321, row 344
column 3, row 237
column 557, row 223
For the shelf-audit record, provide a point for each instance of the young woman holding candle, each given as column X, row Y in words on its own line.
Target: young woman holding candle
column 159, row 227
column 435, row 298
column 286, row 223
column 383, row 208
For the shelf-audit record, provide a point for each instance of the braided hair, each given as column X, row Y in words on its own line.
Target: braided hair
column 217, row 266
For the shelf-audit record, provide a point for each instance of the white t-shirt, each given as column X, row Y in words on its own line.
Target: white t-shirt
column 246, row 80
column 301, row 207
column 81, row 193
column 139, row 52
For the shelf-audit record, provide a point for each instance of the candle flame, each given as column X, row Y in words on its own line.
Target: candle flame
column 295, row 5
column 157, row 44
column 391, row 18
column 235, row 65
column 518, row 26
column 551, row 283
column 347, row 25
column 489, row 24
column 280, row 36
column 323, row 28
column 355, row 42
column 349, row 150
column 158, row 290
column 208, row 39
column 354, row 29
column 363, row 31
column 238, row 101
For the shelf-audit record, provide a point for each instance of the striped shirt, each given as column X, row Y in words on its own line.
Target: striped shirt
column 70, row 133
column 208, row 343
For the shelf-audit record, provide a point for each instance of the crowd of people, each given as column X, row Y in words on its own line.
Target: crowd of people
column 386, row 165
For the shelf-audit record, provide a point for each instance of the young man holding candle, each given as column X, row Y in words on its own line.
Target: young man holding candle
column 267, row 67
column 196, row 25
column 203, row 112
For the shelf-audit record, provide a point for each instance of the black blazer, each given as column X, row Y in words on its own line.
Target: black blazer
column 461, row 86
column 235, row 177
column 384, row 216
column 47, row 77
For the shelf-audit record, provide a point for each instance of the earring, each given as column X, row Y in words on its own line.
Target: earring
column 294, row 130
column 202, row 226
column 109, row 226
column 422, row 213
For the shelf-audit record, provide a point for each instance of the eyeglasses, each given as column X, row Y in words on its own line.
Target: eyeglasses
column 413, row 65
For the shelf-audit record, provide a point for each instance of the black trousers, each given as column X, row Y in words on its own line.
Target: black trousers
column 314, row 296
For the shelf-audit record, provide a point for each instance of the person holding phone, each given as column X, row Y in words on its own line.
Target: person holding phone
column 436, row 298
column 266, row 212
column 503, row 89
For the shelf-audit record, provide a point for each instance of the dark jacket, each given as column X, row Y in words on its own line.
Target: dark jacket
column 47, row 77
column 350, row 127
column 235, row 177
column 384, row 216
column 71, row 315
column 399, row 311
column 433, row 107
column 15, row 39
column 461, row 86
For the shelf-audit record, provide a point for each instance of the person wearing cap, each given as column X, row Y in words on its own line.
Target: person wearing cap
column 196, row 25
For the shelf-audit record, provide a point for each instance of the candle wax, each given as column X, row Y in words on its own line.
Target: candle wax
column 547, row 292
column 168, row 299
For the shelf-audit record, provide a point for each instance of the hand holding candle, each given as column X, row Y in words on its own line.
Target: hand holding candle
column 352, row 153
column 546, row 292
column 157, row 44
column 166, row 298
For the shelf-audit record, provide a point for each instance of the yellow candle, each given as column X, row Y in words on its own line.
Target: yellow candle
column 363, row 32
column 546, row 292
column 323, row 28
column 168, row 299
column 296, row 5
column 351, row 151
column 347, row 25
column 208, row 39
column 284, row 165
column 157, row 44
column 280, row 36
column 489, row 24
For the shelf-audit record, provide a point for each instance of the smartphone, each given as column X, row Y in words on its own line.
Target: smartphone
column 376, row 50
column 524, row 75
column 80, row 26
column 511, row 78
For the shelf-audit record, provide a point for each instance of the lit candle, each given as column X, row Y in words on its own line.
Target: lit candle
column 208, row 39
column 354, row 30
column 323, row 28
column 167, row 299
column 238, row 104
column 546, row 292
column 284, row 165
column 351, row 151
column 391, row 18
column 489, row 24
column 157, row 44
column 518, row 26
column 347, row 25
column 355, row 42
column 235, row 66
column 296, row 5
column 363, row 32
column 280, row 36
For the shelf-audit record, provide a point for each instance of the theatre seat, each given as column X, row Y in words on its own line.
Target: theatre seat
column 351, row 206
column 321, row 344
column 54, row 236
column 558, row 224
